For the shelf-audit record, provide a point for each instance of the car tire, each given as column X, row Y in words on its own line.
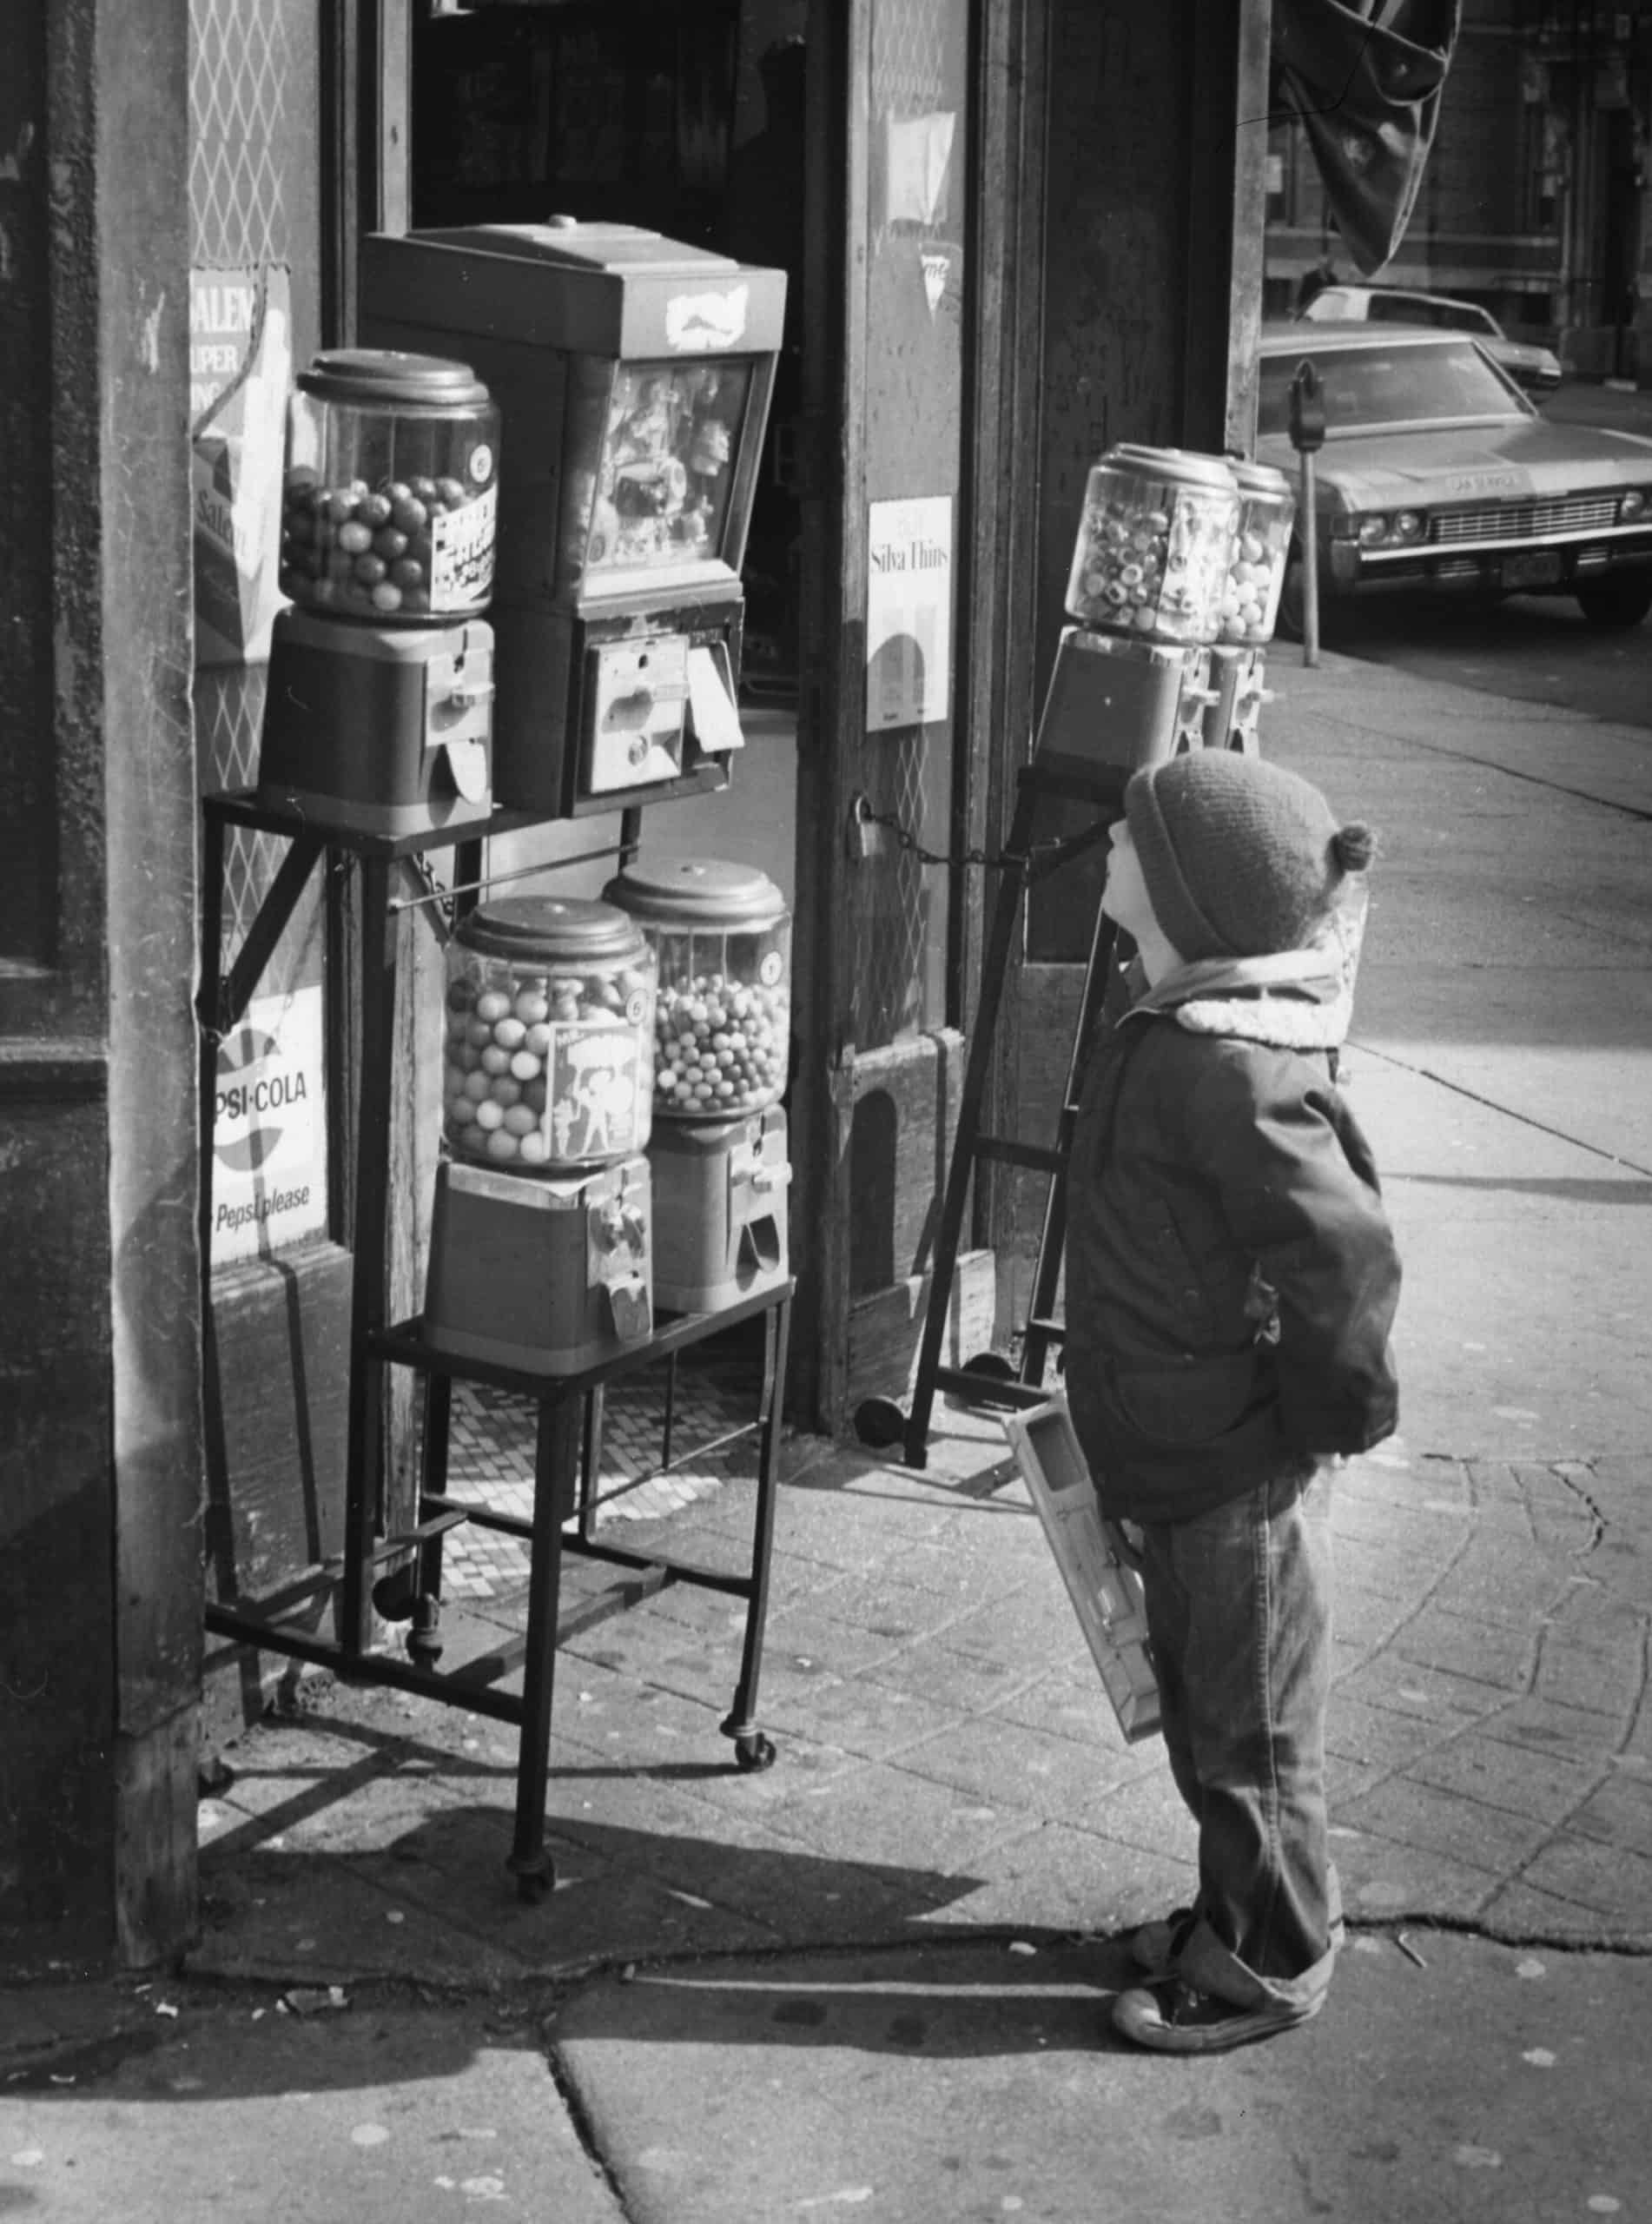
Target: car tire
column 1287, row 624
column 1615, row 604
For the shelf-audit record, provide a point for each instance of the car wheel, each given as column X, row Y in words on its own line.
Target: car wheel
column 1615, row 604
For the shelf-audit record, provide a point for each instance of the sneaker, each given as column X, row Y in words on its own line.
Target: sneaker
column 1154, row 1947
column 1174, row 2017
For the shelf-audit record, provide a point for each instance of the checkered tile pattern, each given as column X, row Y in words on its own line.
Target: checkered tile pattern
column 490, row 1460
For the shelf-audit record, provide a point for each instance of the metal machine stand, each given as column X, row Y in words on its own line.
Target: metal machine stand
column 570, row 1406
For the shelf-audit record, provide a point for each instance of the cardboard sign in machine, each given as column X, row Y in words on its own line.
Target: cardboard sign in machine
column 1093, row 1560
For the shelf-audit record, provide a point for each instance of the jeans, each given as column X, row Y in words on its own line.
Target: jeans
column 1239, row 1613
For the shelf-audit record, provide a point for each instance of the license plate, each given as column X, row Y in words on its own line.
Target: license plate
column 1536, row 568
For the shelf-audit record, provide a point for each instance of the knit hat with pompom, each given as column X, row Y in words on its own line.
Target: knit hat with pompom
column 1240, row 857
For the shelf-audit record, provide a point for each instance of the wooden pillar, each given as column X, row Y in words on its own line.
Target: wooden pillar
column 1155, row 180
column 100, row 1429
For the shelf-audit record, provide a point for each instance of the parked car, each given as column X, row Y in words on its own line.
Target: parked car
column 1536, row 369
column 1437, row 473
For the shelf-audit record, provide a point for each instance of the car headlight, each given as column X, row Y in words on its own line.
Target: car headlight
column 1408, row 525
column 1632, row 505
column 1373, row 531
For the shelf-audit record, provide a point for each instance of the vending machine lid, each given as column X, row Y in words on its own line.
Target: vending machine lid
column 698, row 892
column 572, row 242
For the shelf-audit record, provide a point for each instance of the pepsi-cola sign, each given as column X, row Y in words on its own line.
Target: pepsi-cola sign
column 269, row 1129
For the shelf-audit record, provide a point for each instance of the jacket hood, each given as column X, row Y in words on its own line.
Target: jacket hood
column 1293, row 1000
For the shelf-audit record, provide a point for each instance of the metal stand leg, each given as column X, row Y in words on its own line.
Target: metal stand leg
column 994, row 970
column 367, row 1243
column 556, row 1465
column 751, row 1748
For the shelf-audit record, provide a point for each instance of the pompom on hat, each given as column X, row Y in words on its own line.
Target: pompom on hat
column 1240, row 857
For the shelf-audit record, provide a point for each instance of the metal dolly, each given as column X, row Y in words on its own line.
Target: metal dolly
column 989, row 1379
column 1217, row 709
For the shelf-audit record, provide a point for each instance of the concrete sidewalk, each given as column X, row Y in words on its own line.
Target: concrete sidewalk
column 874, row 1978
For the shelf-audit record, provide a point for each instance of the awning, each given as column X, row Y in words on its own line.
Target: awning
column 1366, row 76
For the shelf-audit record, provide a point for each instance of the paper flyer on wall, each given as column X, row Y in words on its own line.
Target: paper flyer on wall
column 908, row 612
column 240, row 360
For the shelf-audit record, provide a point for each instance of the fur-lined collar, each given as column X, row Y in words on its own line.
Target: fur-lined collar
column 1294, row 1000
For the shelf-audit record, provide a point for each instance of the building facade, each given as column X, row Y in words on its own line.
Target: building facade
column 1029, row 228
column 1535, row 200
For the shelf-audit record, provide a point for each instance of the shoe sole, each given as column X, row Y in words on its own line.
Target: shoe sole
column 1242, row 2028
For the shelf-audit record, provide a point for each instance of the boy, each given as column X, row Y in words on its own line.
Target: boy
column 1231, row 1282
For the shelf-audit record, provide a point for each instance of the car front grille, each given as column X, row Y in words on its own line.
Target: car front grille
column 1524, row 521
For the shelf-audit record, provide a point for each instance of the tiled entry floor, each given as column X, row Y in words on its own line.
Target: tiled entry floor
column 490, row 1457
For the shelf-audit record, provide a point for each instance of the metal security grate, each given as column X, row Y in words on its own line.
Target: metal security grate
column 918, row 65
column 1524, row 521
column 253, row 200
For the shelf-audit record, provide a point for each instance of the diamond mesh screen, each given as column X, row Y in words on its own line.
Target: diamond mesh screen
column 919, row 68
column 254, row 197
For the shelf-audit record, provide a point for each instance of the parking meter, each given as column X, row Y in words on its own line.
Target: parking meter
column 1307, row 438
column 1307, row 410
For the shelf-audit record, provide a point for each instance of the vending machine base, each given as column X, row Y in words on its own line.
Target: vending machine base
column 378, row 730
column 1238, row 691
column 549, row 1274
column 1116, row 702
column 719, row 1194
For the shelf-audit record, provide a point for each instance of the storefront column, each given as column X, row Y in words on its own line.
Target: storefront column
column 100, row 1430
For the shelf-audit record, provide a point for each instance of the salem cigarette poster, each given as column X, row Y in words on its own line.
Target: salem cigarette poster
column 908, row 612
column 240, row 370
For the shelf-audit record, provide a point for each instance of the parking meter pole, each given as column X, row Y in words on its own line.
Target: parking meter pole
column 1307, row 422
column 1309, row 564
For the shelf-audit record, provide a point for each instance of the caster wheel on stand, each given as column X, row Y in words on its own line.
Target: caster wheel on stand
column 537, row 1883
column 879, row 1422
column 753, row 1753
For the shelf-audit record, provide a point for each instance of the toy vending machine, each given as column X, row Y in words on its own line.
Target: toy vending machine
column 1250, row 605
column 540, row 1253
column 721, row 937
column 1150, row 571
column 633, row 375
column 379, row 706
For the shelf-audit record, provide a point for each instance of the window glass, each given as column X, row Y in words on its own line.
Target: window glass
column 1366, row 387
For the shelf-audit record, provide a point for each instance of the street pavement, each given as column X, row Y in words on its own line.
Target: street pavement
column 873, row 1979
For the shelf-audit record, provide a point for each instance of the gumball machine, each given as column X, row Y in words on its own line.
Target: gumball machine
column 379, row 710
column 541, row 1252
column 721, row 938
column 1250, row 605
column 1149, row 570
column 634, row 375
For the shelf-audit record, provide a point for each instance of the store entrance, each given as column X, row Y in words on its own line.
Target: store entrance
column 683, row 117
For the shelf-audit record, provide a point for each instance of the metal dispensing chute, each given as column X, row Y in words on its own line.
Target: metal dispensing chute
column 634, row 375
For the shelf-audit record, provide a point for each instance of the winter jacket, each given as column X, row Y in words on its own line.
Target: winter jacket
column 1231, row 1275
